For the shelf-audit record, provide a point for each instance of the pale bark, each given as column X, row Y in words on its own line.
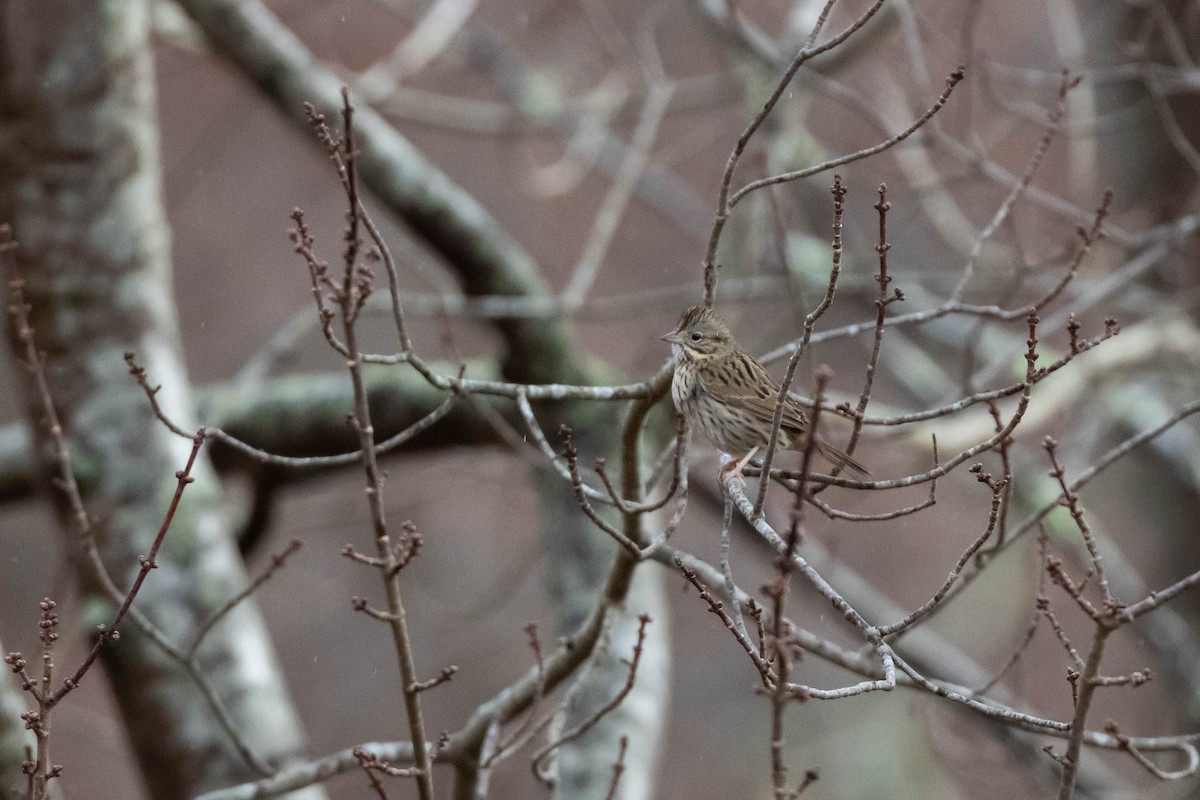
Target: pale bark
column 80, row 182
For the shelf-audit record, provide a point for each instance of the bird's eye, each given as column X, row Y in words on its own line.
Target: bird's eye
column 696, row 337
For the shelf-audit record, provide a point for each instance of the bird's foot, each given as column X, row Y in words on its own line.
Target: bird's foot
column 731, row 470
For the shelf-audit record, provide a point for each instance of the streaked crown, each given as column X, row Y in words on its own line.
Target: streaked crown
column 701, row 333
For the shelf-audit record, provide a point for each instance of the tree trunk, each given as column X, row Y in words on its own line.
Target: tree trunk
column 80, row 182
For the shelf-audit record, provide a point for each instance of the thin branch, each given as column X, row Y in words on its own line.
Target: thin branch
column 884, row 299
column 1186, row 749
column 951, row 81
column 1088, row 238
column 68, row 485
column 1161, row 597
column 1002, row 213
column 1031, row 372
column 618, row 769
column 883, row 516
column 526, row 729
column 603, row 711
column 559, row 465
column 1043, row 543
column 727, row 567
column 1083, row 701
column 678, row 474
column 718, row 608
column 1071, row 500
column 724, row 202
column 297, row 462
column 19, row 310
column 572, row 458
column 781, row 656
column 810, row 321
column 353, row 291
column 997, row 488
column 277, row 563
column 886, row 656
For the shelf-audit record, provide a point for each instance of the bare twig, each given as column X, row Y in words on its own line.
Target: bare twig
column 951, row 81
column 526, row 729
column 997, row 488
column 883, row 516
column 607, row 708
column 724, row 201
column 1002, row 213
column 301, row 462
column 618, row 769
column 67, row 484
column 1088, row 237
column 884, row 299
column 810, row 321
column 351, row 294
column 277, row 563
column 678, row 475
column 718, row 608
column 1071, row 499
column 45, row 694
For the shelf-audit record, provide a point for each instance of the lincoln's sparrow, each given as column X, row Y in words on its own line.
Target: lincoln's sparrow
column 729, row 396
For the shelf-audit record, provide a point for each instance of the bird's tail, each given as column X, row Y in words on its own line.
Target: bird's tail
column 839, row 459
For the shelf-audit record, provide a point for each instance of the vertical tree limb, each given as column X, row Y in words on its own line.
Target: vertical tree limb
column 486, row 261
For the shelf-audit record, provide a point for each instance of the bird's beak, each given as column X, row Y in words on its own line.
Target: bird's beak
column 672, row 338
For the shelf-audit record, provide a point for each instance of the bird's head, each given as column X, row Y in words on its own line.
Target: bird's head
column 699, row 335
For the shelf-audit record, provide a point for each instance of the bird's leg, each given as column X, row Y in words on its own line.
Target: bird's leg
column 731, row 470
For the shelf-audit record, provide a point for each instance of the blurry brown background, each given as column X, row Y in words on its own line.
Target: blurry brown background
column 233, row 169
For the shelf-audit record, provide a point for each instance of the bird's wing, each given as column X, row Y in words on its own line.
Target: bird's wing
column 764, row 408
column 747, row 385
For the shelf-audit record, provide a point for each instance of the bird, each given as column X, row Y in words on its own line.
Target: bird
column 721, row 389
